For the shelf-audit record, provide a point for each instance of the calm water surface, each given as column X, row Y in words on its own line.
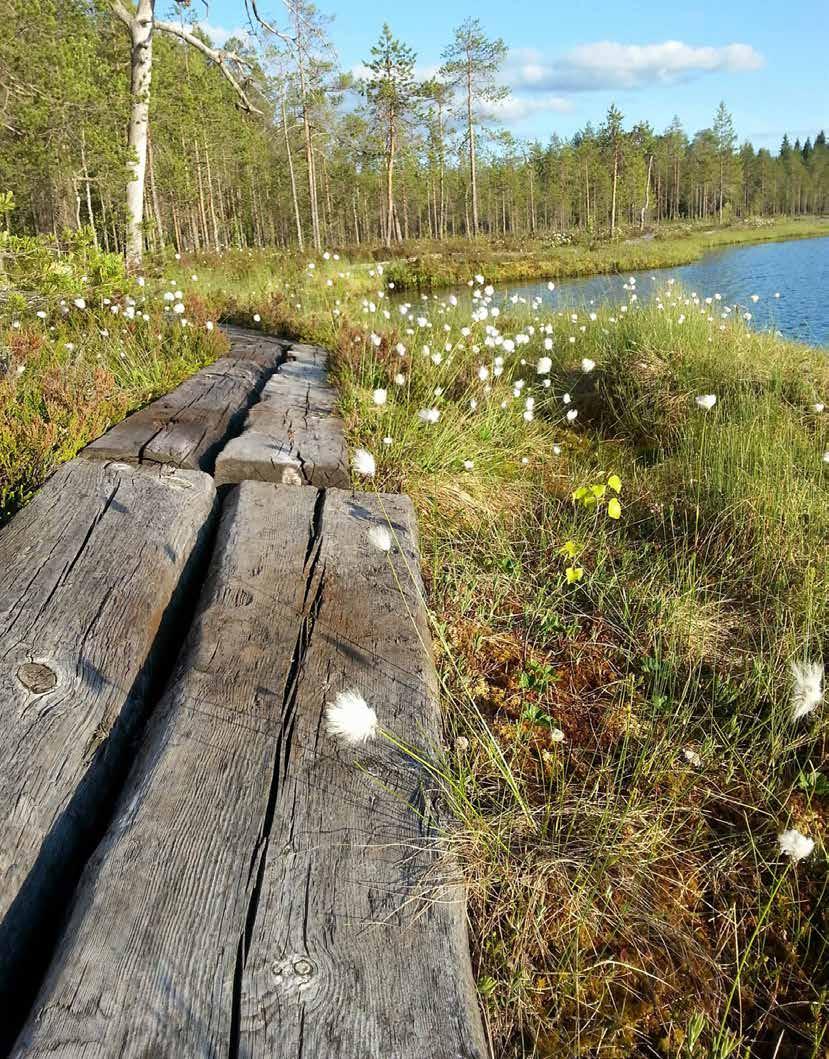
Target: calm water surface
column 797, row 269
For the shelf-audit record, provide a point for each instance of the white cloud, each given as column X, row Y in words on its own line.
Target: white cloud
column 608, row 65
column 220, row 35
column 516, row 108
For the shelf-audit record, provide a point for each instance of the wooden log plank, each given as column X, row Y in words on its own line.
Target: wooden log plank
column 307, row 354
column 188, row 426
column 292, row 436
column 317, row 398
column 266, row 350
column 259, row 893
column 93, row 574
column 286, row 446
column 358, row 944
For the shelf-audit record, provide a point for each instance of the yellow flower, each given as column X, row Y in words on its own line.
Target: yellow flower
column 574, row 573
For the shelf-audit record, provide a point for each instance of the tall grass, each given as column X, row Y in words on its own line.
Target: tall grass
column 627, row 892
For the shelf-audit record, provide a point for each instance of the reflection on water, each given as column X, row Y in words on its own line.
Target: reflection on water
column 797, row 270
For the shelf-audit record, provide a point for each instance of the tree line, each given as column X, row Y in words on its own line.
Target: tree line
column 146, row 133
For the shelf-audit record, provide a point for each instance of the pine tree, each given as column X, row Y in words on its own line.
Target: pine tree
column 726, row 139
column 471, row 63
column 391, row 93
column 613, row 136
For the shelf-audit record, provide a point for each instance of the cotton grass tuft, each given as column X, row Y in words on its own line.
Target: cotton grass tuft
column 350, row 719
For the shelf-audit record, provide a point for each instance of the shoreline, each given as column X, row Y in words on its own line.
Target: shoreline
column 446, row 269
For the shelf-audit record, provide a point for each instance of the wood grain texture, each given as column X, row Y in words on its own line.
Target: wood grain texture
column 263, row 891
column 188, row 426
column 246, row 344
column 292, row 436
column 307, row 354
column 93, row 574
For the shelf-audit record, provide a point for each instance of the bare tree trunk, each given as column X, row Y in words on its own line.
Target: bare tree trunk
column 154, row 190
column 214, row 220
column 613, row 197
column 472, row 167
column 356, row 221
column 89, row 212
column 390, row 185
column 141, row 68
column 646, row 203
column 294, row 198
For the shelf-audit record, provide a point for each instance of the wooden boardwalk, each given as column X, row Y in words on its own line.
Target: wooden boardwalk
column 191, row 865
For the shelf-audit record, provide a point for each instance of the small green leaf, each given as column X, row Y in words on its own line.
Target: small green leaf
column 598, row 491
column 614, row 508
column 579, row 493
column 569, row 548
column 615, row 483
column 574, row 573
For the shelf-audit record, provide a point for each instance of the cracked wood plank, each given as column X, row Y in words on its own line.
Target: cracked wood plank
column 292, row 436
column 189, row 426
column 263, row 891
column 266, row 350
column 93, row 573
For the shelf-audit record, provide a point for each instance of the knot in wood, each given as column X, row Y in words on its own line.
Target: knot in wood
column 37, row 677
column 303, row 967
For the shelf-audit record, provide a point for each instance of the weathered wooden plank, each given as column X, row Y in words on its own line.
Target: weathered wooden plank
column 357, row 942
column 292, row 436
column 313, row 393
column 188, row 426
column 266, row 350
column 259, row 892
column 308, row 354
column 286, row 446
column 93, row 576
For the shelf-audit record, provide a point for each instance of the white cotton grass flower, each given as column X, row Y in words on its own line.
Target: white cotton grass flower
column 380, row 538
column 807, row 693
column 818, row 407
column 379, row 397
column 587, row 365
column 795, row 844
column 363, row 463
column 544, row 366
column 572, row 415
column 556, row 735
column 429, row 415
column 706, row 401
column 350, row 719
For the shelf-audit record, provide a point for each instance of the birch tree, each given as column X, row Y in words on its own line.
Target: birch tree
column 141, row 24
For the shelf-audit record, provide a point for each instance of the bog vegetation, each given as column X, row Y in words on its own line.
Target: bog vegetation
column 623, row 518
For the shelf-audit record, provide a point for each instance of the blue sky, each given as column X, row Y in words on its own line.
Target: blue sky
column 567, row 61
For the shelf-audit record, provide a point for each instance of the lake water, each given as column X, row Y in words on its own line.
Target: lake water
column 797, row 269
